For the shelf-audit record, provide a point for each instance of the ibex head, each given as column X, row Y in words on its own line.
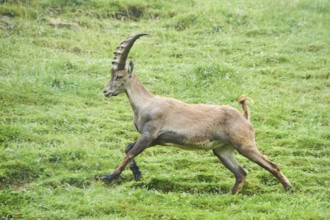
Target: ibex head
column 120, row 74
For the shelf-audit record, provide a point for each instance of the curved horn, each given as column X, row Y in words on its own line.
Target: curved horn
column 122, row 51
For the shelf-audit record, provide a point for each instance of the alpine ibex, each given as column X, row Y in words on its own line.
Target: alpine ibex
column 166, row 121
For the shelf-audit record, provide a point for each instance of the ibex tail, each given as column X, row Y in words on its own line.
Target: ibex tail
column 242, row 100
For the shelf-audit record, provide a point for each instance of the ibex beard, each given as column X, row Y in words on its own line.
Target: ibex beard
column 166, row 121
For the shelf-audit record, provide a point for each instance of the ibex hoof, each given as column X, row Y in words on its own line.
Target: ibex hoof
column 290, row 189
column 109, row 178
column 137, row 175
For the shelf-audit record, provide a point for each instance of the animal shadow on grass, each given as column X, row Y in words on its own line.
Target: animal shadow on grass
column 192, row 184
column 184, row 185
column 197, row 184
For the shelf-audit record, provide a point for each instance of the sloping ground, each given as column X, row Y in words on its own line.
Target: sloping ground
column 58, row 133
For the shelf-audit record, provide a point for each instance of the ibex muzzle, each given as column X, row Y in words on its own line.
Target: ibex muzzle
column 166, row 121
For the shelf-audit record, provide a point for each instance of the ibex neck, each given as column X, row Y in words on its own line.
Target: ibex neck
column 137, row 94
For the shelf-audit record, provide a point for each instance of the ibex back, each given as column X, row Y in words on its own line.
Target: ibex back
column 166, row 121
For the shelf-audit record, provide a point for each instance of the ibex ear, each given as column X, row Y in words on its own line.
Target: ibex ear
column 130, row 68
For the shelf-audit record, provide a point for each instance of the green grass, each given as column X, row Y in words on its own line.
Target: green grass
column 58, row 133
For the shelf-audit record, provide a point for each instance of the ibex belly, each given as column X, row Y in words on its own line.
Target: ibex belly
column 183, row 141
column 210, row 145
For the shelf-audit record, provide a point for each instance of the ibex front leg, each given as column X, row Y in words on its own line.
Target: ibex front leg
column 142, row 143
column 133, row 165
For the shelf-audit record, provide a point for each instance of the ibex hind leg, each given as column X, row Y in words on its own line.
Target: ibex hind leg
column 225, row 155
column 133, row 165
column 252, row 153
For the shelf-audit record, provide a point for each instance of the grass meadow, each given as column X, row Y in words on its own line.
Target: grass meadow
column 58, row 133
